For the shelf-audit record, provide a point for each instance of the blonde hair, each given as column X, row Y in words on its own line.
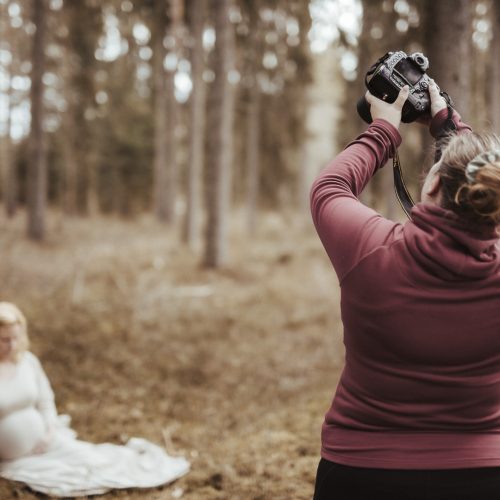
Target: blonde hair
column 10, row 315
column 476, row 199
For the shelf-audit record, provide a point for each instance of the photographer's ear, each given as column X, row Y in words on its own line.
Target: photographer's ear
column 434, row 186
column 431, row 190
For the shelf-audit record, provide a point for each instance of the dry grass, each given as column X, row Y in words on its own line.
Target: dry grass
column 233, row 369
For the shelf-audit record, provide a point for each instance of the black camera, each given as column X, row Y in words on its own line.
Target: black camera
column 389, row 75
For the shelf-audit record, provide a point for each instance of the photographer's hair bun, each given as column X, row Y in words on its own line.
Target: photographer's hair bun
column 470, row 174
column 482, row 191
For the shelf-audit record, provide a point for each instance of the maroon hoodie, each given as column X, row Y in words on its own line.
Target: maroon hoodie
column 420, row 306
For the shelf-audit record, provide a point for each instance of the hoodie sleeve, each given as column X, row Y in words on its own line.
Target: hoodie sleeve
column 443, row 126
column 348, row 229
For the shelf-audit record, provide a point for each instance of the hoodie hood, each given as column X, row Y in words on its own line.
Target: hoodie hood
column 440, row 242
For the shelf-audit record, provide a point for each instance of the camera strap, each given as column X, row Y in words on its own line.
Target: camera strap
column 402, row 193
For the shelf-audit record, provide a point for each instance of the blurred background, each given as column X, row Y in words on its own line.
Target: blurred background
column 156, row 160
column 189, row 110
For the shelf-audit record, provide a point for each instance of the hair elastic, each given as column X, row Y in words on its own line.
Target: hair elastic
column 480, row 161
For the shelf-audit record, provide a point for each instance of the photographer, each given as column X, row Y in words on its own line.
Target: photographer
column 416, row 412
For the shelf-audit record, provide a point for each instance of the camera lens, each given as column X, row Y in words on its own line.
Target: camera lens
column 419, row 60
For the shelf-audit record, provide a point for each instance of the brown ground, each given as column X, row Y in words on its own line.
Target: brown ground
column 233, row 369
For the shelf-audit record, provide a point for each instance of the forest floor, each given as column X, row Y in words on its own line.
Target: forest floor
column 233, row 369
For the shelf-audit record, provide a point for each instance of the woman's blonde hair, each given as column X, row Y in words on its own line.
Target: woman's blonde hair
column 10, row 314
column 475, row 198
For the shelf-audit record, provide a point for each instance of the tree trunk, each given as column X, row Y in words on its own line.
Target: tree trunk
column 197, row 118
column 371, row 14
column 70, row 174
column 221, row 140
column 93, row 205
column 253, row 120
column 495, row 77
column 160, row 179
column 119, row 192
column 9, row 171
column 253, row 156
column 37, row 178
column 170, row 146
column 449, row 48
column 172, row 110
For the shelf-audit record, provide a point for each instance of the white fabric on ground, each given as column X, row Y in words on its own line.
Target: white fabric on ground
column 70, row 467
column 77, row 468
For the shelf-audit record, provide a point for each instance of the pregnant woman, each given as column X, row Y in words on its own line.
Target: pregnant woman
column 27, row 411
column 38, row 448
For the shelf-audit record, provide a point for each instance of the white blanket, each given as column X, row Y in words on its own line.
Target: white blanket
column 71, row 467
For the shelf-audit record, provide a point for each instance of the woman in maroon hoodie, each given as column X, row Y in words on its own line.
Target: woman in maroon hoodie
column 416, row 414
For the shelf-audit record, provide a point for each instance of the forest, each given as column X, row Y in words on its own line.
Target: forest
column 156, row 158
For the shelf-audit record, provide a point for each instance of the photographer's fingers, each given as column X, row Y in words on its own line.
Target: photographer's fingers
column 400, row 100
column 402, row 96
column 433, row 90
column 437, row 100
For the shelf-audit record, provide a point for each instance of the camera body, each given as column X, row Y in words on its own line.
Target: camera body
column 389, row 75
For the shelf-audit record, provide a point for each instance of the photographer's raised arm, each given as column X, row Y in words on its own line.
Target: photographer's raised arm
column 441, row 126
column 348, row 229
column 445, row 120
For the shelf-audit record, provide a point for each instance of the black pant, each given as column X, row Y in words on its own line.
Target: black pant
column 341, row 482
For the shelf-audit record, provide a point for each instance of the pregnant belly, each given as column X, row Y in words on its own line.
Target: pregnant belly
column 20, row 431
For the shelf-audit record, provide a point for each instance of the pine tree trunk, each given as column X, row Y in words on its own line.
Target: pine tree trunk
column 253, row 120
column 371, row 13
column 119, row 194
column 495, row 77
column 160, row 179
column 449, row 48
column 170, row 146
column 220, row 140
column 37, row 174
column 70, row 174
column 80, row 172
column 172, row 111
column 93, row 205
column 197, row 118
column 253, row 156
column 9, row 177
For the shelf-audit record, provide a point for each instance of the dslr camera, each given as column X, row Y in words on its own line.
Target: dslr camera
column 389, row 75
column 384, row 80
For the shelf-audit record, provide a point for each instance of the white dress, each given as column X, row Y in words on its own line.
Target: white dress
column 69, row 467
column 27, row 408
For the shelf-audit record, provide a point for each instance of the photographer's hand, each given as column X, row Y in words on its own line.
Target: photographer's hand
column 438, row 102
column 390, row 112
